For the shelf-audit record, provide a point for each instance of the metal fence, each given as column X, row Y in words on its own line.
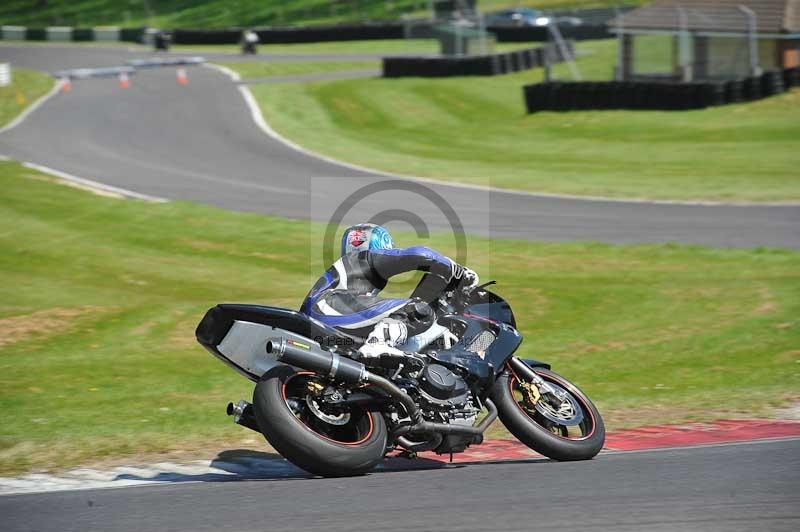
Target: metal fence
column 688, row 43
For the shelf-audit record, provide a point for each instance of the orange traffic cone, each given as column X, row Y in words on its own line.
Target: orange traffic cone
column 181, row 76
column 124, row 81
column 66, row 85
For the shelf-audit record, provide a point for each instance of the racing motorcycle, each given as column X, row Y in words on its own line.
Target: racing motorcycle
column 335, row 413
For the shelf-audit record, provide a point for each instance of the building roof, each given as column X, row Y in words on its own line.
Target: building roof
column 772, row 16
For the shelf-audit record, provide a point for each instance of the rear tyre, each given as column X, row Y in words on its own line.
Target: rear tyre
column 559, row 442
column 340, row 444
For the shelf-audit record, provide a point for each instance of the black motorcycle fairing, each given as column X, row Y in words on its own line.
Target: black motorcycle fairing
column 218, row 321
column 487, row 304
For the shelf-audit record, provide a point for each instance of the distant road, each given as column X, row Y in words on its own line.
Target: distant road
column 199, row 143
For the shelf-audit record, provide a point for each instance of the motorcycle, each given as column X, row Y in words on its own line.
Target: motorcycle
column 334, row 413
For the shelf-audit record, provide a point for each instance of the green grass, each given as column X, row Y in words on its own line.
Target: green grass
column 476, row 130
column 285, row 68
column 100, row 298
column 222, row 13
column 26, row 87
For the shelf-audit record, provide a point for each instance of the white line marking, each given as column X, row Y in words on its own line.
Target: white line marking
column 31, row 108
column 94, row 185
column 258, row 118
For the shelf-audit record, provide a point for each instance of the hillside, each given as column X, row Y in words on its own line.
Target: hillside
column 221, row 13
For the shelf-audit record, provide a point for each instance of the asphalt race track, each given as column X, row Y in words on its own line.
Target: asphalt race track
column 199, row 142
column 728, row 488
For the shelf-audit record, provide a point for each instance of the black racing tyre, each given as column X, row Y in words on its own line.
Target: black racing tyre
column 579, row 442
column 308, row 441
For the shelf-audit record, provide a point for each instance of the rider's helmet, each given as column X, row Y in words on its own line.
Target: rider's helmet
column 363, row 237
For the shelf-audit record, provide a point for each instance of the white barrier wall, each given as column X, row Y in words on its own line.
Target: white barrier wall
column 106, row 33
column 13, row 33
column 5, row 75
column 59, row 33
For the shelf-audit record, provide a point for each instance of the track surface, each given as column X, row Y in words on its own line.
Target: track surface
column 740, row 487
column 199, row 143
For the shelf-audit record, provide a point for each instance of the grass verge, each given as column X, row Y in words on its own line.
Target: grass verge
column 287, row 68
column 474, row 129
column 26, row 87
column 100, row 298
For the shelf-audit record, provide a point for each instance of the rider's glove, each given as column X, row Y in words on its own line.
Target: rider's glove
column 469, row 279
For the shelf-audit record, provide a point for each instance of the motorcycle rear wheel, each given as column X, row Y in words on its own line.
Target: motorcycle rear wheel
column 346, row 444
column 559, row 442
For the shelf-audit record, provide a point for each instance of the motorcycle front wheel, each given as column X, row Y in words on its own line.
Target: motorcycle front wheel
column 328, row 443
column 569, row 428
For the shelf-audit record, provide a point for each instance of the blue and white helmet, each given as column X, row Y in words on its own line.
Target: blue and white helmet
column 363, row 237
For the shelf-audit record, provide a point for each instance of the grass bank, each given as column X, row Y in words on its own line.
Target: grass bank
column 474, row 129
column 285, row 68
column 27, row 86
column 100, row 298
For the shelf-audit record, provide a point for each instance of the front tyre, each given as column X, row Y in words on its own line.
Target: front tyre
column 572, row 430
column 330, row 444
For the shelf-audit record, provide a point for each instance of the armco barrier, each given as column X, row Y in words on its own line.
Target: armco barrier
column 477, row 65
column 657, row 95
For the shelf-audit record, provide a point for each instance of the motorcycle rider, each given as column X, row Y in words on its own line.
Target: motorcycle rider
column 347, row 295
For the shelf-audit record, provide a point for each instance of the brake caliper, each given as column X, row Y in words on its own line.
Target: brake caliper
column 530, row 394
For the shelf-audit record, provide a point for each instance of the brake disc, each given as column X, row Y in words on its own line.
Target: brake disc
column 334, row 419
column 565, row 410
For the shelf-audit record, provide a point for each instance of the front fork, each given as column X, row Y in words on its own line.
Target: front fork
column 521, row 369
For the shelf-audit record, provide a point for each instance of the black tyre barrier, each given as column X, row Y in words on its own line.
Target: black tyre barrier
column 481, row 65
column 521, row 34
column 201, row 36
column 791, row 77
column 655, row 95
column 734, row 91
column 35, row 34
column 82, row 34
column 751, row 88
column 358, row 32
column 131, row 34
column 772, row 83
column 542, row 34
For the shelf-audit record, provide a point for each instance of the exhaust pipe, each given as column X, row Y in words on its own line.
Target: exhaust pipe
column 445, row 428
column 335, row 366
column 243, row 415
column 309, row 357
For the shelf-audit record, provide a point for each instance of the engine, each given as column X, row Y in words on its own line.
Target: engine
column 445, row 396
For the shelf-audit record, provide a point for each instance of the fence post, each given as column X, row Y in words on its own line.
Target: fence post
column 618, row 71
column 752, row 39
column 683, row 45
